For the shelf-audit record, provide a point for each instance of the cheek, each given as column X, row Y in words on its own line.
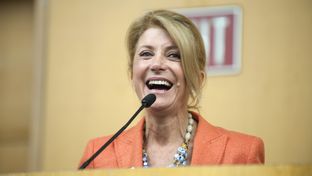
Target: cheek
column 180, row 75
column 181, row 84
column 137, row 73
column 135, row 81
column 138, row 68
column 134, row 68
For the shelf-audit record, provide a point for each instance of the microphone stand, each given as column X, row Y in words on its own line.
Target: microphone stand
column 146, row 102
column 86, row 163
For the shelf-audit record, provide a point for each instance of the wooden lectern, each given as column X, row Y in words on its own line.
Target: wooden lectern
column 250, row 170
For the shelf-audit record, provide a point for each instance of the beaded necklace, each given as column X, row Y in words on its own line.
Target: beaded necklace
column 180, row 158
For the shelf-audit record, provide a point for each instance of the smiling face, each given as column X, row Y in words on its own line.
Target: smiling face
column 157, row 69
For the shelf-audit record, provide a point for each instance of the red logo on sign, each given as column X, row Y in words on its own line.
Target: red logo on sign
column 220, row 28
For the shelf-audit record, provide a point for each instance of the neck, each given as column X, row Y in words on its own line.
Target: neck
column 163, row 136
column 165, row 128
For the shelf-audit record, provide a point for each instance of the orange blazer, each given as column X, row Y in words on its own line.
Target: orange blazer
column 212, row 146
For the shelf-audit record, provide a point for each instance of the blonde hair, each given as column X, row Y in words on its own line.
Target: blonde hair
column 188, row 40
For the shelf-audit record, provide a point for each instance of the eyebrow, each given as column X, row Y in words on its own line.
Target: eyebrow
column 172, row 47
column 145, row 46
column 151, row 47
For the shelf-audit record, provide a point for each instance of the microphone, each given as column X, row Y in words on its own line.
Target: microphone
column 146, row 102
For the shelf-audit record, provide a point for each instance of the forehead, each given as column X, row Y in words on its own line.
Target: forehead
column 155, row 37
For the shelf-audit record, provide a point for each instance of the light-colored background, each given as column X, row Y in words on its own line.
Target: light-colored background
column 63, row 78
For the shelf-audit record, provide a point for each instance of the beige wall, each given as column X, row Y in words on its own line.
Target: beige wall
column 15, row 83
column 88, row 92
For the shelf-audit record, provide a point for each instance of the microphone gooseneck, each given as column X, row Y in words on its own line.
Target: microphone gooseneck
column 146, row 102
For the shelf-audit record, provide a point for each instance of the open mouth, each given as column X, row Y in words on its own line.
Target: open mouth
column 159, row 84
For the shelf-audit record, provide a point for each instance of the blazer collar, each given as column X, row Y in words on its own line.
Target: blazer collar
column 209, row 143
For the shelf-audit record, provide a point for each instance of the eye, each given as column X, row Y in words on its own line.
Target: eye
column 146, row 54
column 174, row 56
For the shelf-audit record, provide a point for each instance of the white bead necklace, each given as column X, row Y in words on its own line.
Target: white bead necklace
column 180, row 158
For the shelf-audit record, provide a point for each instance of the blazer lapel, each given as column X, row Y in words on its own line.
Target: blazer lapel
column 209, row 143
column 128, row 147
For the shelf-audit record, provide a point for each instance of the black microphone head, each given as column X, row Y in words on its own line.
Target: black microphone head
column 148, row 100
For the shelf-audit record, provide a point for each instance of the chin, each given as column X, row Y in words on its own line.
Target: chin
column 163, row 103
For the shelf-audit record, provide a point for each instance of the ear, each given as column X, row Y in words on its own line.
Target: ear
column 202, row 78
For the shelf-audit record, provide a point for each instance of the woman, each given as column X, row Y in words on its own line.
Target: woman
column 167, row 58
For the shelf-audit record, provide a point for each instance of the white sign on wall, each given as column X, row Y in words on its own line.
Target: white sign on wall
column 220, row 28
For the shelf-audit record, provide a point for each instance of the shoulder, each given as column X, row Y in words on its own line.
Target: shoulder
column 233, row 137
column 239, row 147
column 246, row 147
column 124, row 137
column 238, row 138
column 110, row 157
column 127, row 135
column 98, row 141
column 94, row 145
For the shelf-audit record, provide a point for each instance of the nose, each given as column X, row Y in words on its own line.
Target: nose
column 158, row 64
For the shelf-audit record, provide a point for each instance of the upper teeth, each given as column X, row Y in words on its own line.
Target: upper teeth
column 159, row 82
